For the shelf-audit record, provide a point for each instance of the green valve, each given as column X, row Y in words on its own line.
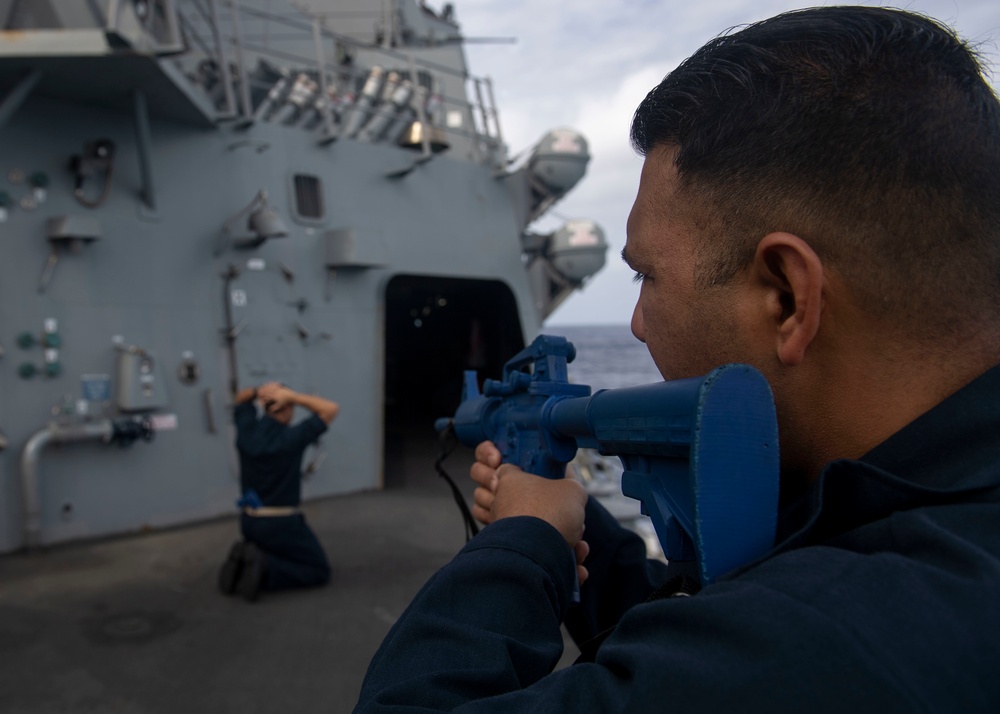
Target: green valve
column 26, row 340
column 27, row 370
column 39, row 179
column 53, row 369
column 51, row 340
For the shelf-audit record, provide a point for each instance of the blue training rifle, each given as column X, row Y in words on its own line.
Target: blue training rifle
column 700, row 454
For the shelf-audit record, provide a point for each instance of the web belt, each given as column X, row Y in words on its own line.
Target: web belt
column 271, row 511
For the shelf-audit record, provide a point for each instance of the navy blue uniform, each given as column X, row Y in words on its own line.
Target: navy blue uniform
column 271, row 465
column 880, row 597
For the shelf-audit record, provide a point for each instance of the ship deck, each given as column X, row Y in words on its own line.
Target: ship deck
column 136, row 624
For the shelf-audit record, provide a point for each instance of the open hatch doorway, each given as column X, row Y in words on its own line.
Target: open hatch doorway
column 435, row 329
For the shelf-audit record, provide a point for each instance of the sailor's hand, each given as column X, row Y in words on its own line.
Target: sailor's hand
column 484, row 473
column 560, row 503
column 274, row 395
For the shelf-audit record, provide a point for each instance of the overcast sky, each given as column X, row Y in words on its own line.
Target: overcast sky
column 587, row 64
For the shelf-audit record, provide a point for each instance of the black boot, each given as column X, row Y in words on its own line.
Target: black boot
column 229, row 573
column 252, row 578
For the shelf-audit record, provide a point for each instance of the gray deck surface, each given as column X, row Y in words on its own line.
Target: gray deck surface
column 137, row 625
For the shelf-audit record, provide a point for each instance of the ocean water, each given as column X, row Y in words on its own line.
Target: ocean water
column 607, row 356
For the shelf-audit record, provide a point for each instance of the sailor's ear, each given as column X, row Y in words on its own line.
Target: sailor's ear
column 792, row 276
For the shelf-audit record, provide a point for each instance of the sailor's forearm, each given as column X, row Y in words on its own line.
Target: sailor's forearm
column 502, row 634
column 323, row 408
column 245, row 395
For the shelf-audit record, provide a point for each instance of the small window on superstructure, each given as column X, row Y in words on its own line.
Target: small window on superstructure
column 308, row 197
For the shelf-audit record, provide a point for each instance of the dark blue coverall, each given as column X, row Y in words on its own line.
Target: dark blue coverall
column 881, row 596
column 271, row 465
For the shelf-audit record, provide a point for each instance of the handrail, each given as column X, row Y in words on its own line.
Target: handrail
column 313, row 33
column 307, row 29
column 214, row 32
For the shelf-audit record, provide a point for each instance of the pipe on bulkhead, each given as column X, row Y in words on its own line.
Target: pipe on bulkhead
column 18, row 95
column 52, row 434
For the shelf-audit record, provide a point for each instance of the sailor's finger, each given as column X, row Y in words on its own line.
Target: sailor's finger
column 484, row 476
column 483, row 498
column 483, row 515
column 487, row 453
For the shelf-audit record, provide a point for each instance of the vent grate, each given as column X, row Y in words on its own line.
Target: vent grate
column 308, row 196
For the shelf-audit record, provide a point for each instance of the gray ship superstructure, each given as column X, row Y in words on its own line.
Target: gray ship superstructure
column 197, row 195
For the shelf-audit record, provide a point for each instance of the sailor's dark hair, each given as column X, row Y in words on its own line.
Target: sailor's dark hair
column 870, row 132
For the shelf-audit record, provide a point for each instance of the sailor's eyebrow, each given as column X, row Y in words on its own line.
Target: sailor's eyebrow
column 625, row 257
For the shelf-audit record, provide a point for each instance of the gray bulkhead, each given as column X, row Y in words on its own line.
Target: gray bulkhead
column 394, row 273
